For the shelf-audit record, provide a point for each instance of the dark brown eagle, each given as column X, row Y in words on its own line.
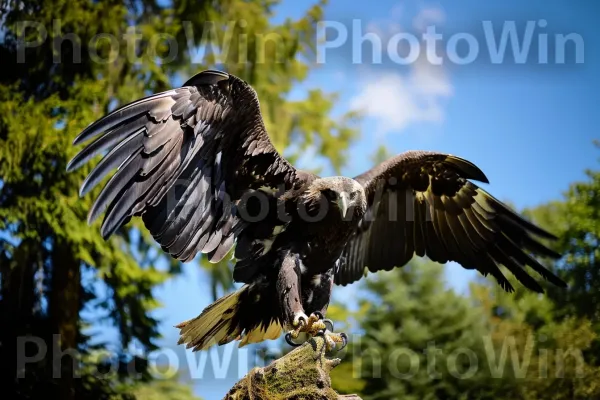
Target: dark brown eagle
column 196, row 164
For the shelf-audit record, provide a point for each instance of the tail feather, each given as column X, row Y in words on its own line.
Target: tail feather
column 261, row 333
column 226, row 320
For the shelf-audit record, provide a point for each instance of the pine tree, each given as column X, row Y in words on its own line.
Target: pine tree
column 420, row 340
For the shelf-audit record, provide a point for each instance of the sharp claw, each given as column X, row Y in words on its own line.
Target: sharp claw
column 288, row 339
column 344, row 340
column 314, row 317
column 317, row 325
column 311, row 325
column 332, row 340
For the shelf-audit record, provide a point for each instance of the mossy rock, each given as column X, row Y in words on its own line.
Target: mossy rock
column 302, row 374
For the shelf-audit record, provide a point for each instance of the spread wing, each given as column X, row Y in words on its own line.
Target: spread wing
column 183, row 159
column 422, row 203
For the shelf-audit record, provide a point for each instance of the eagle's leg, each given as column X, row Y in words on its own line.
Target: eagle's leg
column 321, row 286
column 288, row 287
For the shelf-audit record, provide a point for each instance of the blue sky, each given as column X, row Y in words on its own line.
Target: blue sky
column 529, row 126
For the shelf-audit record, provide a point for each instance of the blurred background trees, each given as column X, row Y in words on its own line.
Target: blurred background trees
column 57, row 275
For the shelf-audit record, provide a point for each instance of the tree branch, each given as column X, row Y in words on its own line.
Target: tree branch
column 301, row 374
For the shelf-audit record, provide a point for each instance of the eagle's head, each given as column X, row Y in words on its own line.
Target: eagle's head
column 345, row 194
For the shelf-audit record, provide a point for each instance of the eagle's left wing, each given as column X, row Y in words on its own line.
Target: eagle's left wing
column 182, row 160
column 422, row 203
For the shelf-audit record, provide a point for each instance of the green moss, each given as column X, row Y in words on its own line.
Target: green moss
column 301, row 374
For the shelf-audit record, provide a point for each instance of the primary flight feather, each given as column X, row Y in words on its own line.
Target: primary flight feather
column 196, row 164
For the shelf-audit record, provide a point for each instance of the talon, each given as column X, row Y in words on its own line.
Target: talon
column 300, row 320
column 334, row 338
column 329, row 343
column 310, row 325
column 314, row 317
column 314, row 323
column 344, row 340
column 317, row 327
column 328, row 325
column 288, row 339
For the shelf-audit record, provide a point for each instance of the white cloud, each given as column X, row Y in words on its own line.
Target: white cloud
column 396, row 100
column 430, row 79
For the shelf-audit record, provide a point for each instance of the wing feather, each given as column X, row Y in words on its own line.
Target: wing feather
column 176, row 160
column 448, row 218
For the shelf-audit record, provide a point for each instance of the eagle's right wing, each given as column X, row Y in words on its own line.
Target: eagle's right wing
column 183, row 159
column 423, row 203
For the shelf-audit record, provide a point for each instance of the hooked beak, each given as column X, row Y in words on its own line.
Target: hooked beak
column 342, row 203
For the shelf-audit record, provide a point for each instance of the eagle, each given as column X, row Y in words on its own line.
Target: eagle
column 196, row 164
